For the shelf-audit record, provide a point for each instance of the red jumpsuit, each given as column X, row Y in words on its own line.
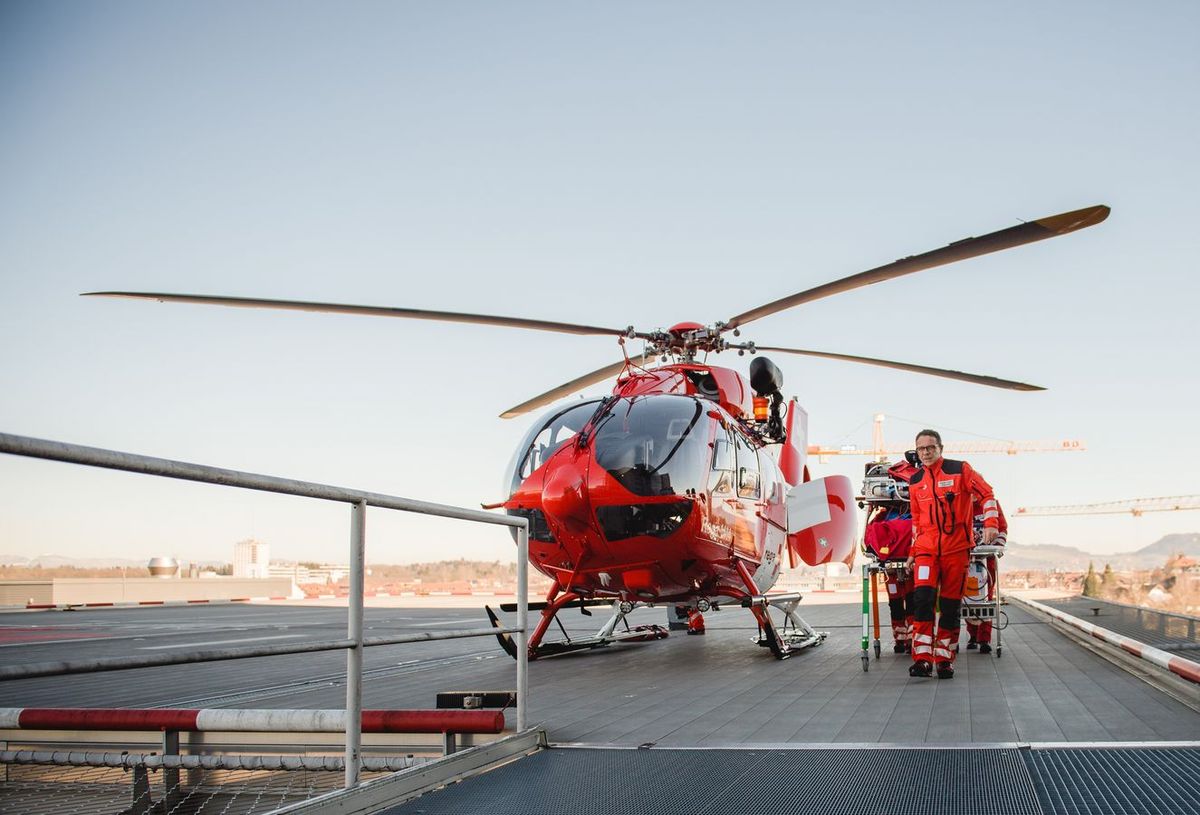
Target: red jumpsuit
column 981, row 630
column 941, row 498
column 891, row 539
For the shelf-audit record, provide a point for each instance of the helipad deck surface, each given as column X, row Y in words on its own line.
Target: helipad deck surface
column 715, row 690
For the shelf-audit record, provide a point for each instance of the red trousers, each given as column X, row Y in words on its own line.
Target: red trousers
column 899, row 604
column 937, row 579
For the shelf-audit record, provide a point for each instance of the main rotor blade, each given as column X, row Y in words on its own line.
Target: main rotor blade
column 959, row 250
column 374, row 311
column 598, row 375
column 978, row 379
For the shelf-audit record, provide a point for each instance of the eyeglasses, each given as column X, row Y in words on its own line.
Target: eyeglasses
column 930, row 449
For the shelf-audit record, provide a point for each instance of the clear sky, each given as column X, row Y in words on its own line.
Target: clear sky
column 611, row 164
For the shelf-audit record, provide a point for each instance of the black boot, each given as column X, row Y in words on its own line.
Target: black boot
column 985, row 648
column 945, row 670
column 921, row 668
column 898, row 648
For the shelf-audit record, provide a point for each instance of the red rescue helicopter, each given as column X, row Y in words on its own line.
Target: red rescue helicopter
column 689, row 482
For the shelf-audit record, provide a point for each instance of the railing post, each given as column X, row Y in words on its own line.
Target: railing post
column 523, row 624
column 172, row 794
column 354, row 631
column 142, row 803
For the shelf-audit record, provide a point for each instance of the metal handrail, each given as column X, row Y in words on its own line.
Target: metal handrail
column 83, row 666
column 359, row 500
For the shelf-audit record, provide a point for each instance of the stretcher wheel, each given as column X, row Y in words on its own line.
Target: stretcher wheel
column 999, row 651
column 866, row 663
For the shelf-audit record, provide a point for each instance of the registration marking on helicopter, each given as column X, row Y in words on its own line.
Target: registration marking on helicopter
column 716, row 529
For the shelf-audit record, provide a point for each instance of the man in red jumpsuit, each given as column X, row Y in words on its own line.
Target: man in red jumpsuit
column 941, row 496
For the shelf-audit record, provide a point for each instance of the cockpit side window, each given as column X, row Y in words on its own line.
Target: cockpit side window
column 724, row 458
column 724, row 461
column 748, row 477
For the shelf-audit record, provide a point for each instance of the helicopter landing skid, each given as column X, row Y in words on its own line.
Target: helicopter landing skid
column 607, row 634
column 793, row 635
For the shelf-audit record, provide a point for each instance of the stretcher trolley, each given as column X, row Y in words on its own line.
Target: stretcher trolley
column 981, row 594
column 887, row 538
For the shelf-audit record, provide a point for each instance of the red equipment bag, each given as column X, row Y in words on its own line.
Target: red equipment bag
column 889, row 540
column 902, row 471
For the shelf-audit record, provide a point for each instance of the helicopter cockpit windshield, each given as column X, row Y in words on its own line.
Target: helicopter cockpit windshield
column 654, row 444
column 546, row 437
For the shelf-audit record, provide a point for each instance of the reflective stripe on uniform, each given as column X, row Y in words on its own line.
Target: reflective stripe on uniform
column 990, row 503
column 991, row 514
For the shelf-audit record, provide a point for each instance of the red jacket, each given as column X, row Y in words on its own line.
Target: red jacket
column 941, row 497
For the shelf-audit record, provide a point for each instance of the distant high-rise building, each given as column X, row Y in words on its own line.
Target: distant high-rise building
column 250, row 558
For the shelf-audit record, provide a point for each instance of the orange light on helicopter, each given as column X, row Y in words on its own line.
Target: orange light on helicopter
column 761, row 408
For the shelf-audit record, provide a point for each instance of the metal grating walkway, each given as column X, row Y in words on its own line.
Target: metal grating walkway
column 1117, row 781
column 827, row 781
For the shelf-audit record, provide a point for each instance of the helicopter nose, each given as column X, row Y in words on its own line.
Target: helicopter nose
column 564, row 496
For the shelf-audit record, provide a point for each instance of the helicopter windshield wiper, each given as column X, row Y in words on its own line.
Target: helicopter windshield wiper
column 679, row 442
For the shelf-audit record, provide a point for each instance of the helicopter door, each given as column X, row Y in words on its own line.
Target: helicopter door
column 772, row 516
column 734, row 487
column 749, row 495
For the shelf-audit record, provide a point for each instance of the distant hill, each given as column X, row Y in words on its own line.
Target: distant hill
column 1045, row 557
column 1156, row 554
column 1049, row 556
column 54, row 561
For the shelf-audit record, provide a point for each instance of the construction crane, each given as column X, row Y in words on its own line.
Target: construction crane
column 880, row 450
column 1134, row 506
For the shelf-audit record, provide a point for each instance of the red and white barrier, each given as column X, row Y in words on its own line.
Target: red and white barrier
column 136, row 603
column 1177, row 665
column 252, row 721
